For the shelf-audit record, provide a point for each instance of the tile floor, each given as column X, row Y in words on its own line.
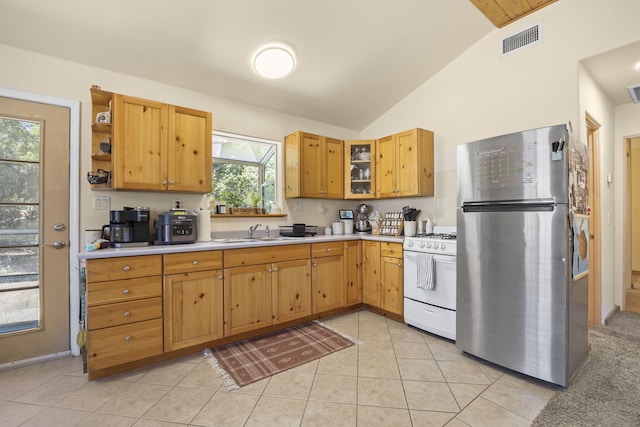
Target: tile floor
column 398, row 376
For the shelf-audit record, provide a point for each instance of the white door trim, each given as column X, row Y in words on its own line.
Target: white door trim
column 74, row 202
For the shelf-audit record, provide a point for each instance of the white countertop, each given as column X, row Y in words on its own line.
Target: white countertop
column 220, row 244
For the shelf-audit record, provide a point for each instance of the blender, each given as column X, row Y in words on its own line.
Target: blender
column 362, row 221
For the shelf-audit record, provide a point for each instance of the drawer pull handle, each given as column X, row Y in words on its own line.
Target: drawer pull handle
column 126, row 314
column 127, row 338
column 195, row 262
column 125, row 292
column 125, row 268
column 329, row 250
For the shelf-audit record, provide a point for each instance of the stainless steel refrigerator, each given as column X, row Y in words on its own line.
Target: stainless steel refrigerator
column 519, row 302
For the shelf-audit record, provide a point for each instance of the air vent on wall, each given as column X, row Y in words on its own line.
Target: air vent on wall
column 634, row 92
column 522, row 39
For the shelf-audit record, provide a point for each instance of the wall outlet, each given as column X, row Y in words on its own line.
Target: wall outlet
column 297, row 206
column 177, row 204
column 101, row 202
column 322, row 208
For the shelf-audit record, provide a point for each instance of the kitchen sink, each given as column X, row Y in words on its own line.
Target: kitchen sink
column 250, row 239
column 236, row 240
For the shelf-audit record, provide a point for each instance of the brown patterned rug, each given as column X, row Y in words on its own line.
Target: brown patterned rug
column 251, row 360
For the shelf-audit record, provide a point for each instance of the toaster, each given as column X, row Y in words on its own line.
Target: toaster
column 176, row 227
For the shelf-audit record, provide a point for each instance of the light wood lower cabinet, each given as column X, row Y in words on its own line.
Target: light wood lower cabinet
column 353, row 272
column 371, row 273
column 124, row 314
column 383, row 276
column 193, row 300
column 392, row 291
column 327, row 274
column 291, row 290
column 265, row 293
column 247, row 295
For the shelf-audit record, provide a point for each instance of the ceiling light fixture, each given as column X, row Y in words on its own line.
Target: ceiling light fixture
column 274, row 61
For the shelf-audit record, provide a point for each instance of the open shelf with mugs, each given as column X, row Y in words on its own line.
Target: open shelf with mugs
column 101, row 137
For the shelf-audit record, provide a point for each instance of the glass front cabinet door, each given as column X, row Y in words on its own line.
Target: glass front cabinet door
column 359, row 174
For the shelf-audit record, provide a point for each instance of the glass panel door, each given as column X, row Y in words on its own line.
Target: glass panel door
column 19, row 224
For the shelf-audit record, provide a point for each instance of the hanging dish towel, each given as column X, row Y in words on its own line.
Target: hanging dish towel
column 425, row 272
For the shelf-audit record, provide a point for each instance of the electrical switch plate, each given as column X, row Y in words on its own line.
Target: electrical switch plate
column 101, row 202
column 297, row 206
column 322, row 208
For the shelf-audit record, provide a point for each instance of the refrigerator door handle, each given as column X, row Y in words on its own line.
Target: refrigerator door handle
column 547, row 205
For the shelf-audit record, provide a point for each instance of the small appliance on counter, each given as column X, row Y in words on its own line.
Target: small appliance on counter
column 128, row 227
column 362, row 220
column 176, row 226
column 298, row 230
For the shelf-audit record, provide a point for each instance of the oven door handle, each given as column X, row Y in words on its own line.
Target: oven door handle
column 445, row 259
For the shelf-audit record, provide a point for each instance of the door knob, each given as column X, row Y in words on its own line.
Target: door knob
column 59, row 227
column 58, row 244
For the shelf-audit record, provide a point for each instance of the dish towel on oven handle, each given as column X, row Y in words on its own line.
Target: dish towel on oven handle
column 425, row 271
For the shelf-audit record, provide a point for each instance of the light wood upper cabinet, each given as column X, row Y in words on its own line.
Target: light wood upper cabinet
column 154, row 146
column 405, row 164
column 360, row 169
column 140, row 144
column 313, row 166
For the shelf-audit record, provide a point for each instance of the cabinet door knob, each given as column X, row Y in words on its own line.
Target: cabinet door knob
column 126, row 314
column 125, row 268
column 127, row 338
column 220, row 277
column 275, row 269
column 125, row 292
column 171, row 182
column 164, row 182
column 195, row 262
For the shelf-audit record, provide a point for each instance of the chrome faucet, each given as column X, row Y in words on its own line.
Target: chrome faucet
column 252, row 230
column 266, row 231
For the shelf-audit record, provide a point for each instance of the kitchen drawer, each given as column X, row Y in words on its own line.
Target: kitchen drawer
column 104, row 316
column 389, row 249
column 327, row 249
column 188, row 262
column 123, row 290
column 121, row 344
column 264, row 255
column 101, row 270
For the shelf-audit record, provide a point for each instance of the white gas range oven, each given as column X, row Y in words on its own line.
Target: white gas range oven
column 430, row 281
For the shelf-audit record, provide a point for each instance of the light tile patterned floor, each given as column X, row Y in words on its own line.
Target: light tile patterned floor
column 398, row 376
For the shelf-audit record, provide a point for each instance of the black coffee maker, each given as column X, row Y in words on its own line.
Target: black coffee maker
column 128, row 227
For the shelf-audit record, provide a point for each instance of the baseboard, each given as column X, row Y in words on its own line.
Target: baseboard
column 616, row 308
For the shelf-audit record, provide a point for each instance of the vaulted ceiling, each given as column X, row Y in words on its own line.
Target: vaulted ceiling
column 355, row 58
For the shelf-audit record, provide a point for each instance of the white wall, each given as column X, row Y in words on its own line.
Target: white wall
column 627, row 118
column 594, row 102
column 481, row 94
column 31, row 72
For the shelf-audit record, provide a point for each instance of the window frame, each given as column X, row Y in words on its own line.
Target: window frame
column 275, row 154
